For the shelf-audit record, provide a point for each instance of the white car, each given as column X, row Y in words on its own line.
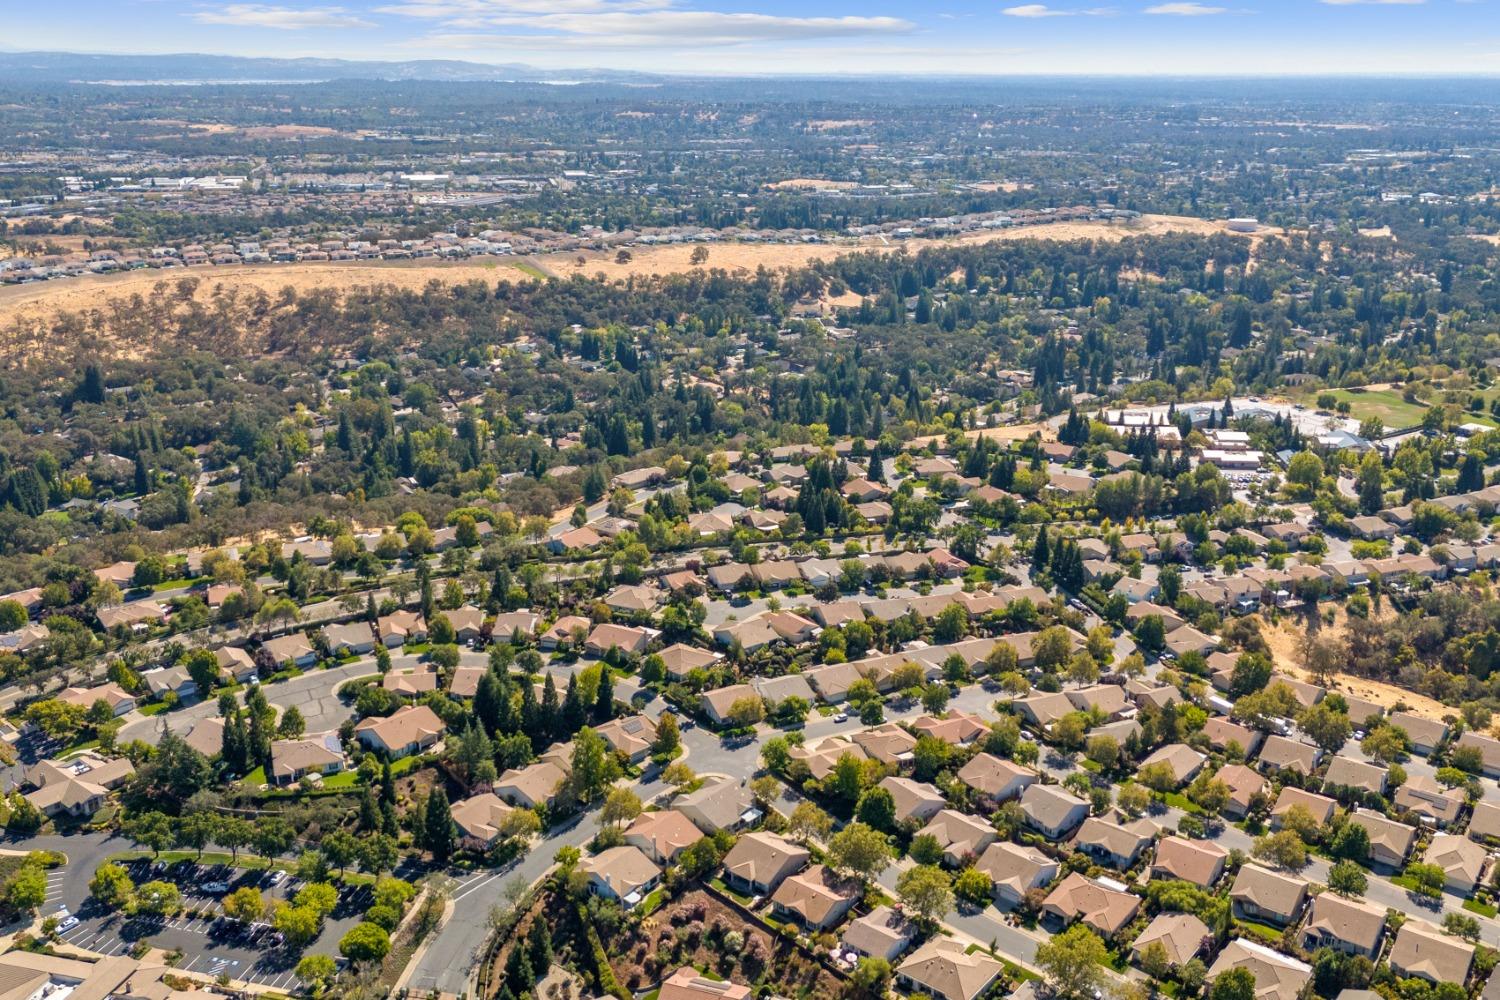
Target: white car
column 841, row 717
column 68, row 923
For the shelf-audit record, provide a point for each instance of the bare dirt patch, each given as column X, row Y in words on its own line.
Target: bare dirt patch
column 1493, row 238
column 830, row 124
column 810, row 184
column 1284, row 641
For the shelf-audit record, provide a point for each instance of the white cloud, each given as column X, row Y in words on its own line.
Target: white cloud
column 1185, row 10
column 1377, row 3
column 1035, row 10
column 254, row 15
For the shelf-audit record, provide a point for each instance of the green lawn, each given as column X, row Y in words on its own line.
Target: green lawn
column 1386, row 404
column 1263, row 931
column 1483, row 909
column 154, row 708
column 530, row 270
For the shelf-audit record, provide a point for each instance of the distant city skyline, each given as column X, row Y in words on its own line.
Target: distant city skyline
column 809, row 37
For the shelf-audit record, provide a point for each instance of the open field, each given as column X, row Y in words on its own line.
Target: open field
column 1385, row 404
column 1488, row 238
column 41, row 301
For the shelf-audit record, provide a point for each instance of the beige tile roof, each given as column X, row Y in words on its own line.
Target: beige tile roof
column 990, row 775
column 1277, row 977
column 1270, row 891
column 1196, row 861
column 816, row 894
column 1105, row 910
column 943, row 967
column 687, row 983
column 959, row 833
column 1016, row 867
column 762, row 857
column 480, row 816
column 1355, row 922
column 1181, row 934
column 662, row 834
column 1421, row 949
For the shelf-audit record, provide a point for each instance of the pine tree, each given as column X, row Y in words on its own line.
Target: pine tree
column 574, row 714
column 437, row 826
column 387, row 784
column 548, row 716
column 604, row 704
column 1039, row 550
column 369, row 812
column 539, row 945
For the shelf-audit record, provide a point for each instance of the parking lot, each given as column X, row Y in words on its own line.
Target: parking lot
column 211, row 944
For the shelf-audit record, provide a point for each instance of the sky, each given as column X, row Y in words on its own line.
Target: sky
column 803, row 37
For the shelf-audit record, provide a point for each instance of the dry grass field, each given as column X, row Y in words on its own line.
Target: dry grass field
column 30, row 304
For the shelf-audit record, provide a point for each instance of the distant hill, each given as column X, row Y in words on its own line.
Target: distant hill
column 68, row 67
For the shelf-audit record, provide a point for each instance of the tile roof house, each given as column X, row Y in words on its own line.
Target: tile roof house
column 725, row 804
column 1200, row 862
column 996, row 780
column 419, row 678
column 1261, row 894
column 687, row 983
column 401, row 627
column 1110, row 699
column 1182, row 936
column 662, row 835
column 956, row 728
column 1051, row 811
column 1320, row 807
column 1346, row 772
column 1184, row 761
column 117, row 698
column 410, row 729
column 1277, row 977
column 1097, row 903
column 534, row 785
column 1245, row 783
column 291, row 760
column 816, row 898
column 1280, row 753
column 759, row 861
column 1016, row 869
column 626, row 638
column 1463, row 862
column 1043, row 709
column 1426, row 735
column 1424, row 796
column 631, row 735
column 76, row 787
column 352, row 637
column 1351, row 926
column 888, row 743
column 682, row 660
column 1484, row 823
column 823, row 756
column 564, row 632
column 1390, row 842
column 915, row 800
column 960, row 835
column 1422, row 951
column 1113, row 844
column 945, row 970
column 479, row 817
column 294, row 648
column 881, row 933
column 622, row 873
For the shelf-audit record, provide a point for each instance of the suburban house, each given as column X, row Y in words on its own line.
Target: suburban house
column 1277, row 976
column 1015, row 870
column 1424, row 796
column 725, row 804
column 1425, row 735
column 687, row 983
column 479, row 818
column 117, row 698
column 410, row 729
column 759, row 861
column 914, row 800
column 881, row 933
column 292, row 760
column 626, row 638
column 76, row 787
column 622, row 873
column 534, row 785
column 960, row 835
column 632, row 735
column 237, row 663
column 662, row 835
column 1182, row 937
column 1390, row 842
column 354, row 638
column 294, row 648
column 1101, row 904
column 1113, row 844
column 400, row 627
column 1320, row 807
column 996, row 780
column 816, row 898
column 1463, row 862
column 1423, row 951
column 1351, row 926
column 1051, row 811
column 1261, row 894
column 1200, row 862
column 945, row 970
